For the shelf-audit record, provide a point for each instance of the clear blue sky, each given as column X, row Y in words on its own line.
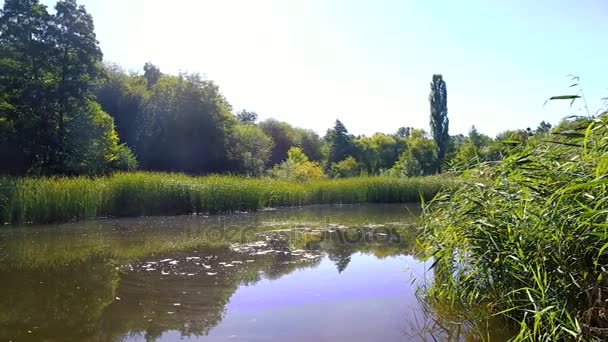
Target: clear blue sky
column 369, row 63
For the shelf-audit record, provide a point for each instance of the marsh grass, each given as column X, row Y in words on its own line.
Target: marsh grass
column 60, row 199
column 527, row 238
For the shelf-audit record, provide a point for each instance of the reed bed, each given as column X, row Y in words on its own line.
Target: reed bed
column 60, row 199
column 527, row 238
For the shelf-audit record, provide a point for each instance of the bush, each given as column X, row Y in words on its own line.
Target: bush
column 346, row 168
column 297, row 167
column 93, row 146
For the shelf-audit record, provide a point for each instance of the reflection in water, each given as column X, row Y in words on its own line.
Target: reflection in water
column 314, row 273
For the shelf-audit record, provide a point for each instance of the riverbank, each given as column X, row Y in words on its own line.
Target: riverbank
column 60, row 199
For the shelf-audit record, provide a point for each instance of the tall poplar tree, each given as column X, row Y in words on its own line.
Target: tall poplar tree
column 439, row 117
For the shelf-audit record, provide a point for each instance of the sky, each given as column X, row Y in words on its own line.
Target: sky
column 369, row 63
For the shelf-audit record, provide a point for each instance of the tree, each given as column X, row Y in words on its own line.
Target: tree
column 419, row 158
column 455, row 144
column 48, row 67
column 282, row 135
column 340, row 143
column 24, row 67
column 77, row 57
column 186, row 126
column 297, row 167
column 152, row 74
column 467, row 156
column 478, row 139
column 250, row 148
column 245, row 116
column 93, row 144
column 346, row 168
column 404, row 132
column 378, row 152
column 544, row 127
column 123, row 97
column 439, row 117
column 310, row 142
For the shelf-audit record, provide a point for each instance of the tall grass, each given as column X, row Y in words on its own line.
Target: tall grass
column 56, row 199
column 528, row 237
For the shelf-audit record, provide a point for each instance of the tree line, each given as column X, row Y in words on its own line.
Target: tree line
column 64, row 111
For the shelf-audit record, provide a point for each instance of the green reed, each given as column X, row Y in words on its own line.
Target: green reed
column 57, row 199
column 527, row 238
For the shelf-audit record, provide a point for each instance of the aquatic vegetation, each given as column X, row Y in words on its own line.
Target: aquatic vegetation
column 527, row 237
column 57, row 199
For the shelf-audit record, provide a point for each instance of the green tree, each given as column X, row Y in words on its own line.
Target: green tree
column 478, row 139
column 439, row 117
column 467, row 156
column 419, row 158
column 24, row 69
column 310, row 142
column 152, row 74
column 297, row 167
column 340, row 143
column 49, row 65
column 245, row 116
column 455, row 144
column 76, row 56
column 286, row 136
column 544, row 127
column 282, row 135
column 93, row 144
column 186, row 126
column 349, row 167
column 123, row 96
column 251, row 148
column 378, row 152
column 404, row 132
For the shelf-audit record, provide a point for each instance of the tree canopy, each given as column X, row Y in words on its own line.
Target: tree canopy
column 64, row 111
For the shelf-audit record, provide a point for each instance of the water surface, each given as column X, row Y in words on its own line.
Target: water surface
column 318, row 273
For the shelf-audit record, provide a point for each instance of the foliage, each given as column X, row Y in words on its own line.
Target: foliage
column 186, row 126
column 251, row 148
column 404, row 132
column 340, row 144
column 378, row 152
column 527, row 238
column 311, row 144
column 151, row 74
column 544, row 127
column 48, row 67
column 467, row 156
column 124, row 96
column 420, row 157
column 297, row 167
column 94, row 147
column 247, row 117
column 52, row 75
column 346, row 168
column 286, row 136
column 438, row 99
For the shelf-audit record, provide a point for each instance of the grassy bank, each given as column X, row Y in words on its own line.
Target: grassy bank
column 44, row 200
column 528, row 237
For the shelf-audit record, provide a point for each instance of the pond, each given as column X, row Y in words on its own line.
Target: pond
column 317, row 273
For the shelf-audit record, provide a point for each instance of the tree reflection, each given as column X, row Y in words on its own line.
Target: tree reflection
column 99, row 297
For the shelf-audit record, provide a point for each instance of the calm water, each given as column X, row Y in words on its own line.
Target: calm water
column 320, row 273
